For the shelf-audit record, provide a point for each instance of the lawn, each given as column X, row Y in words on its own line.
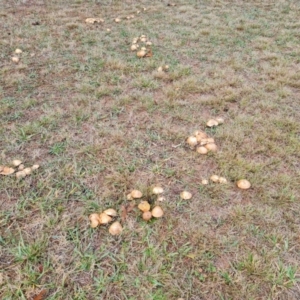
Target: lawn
column 101, row 122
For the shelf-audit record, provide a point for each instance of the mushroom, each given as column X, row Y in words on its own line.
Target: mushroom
column 214, row 178
column 192, row 141
column 115, row 228
column 111, row 212
column 134, row 47
column 243, row 184
column 211, row 147
column 27, row 171
column 147, row 215
column 136, row 194
column 144, row 206
column 15, row 59
column 20, row 174
column 18, row 51
column 157, row 190
column 200, row 135
column 94, row 218
column 161, row 198
column 220, row 120
column 185, row 195
column 157, row 212
column 141, row 53
column 202, row 150
column 34, row 167
column 148, row 43
column 204, row 181
column 104, row 218
column 117, row 20
column 7, row 171
column 16, row 162
column 222, row 180
column 129, row 197
column 160, row 69
column 212, row 123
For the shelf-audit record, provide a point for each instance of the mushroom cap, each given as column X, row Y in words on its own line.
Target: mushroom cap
column 111, row 212
column 192, row 141
column 18, row 51
column 141, row 53
column 214, row 178
column 104, row 218
column 161, row 198
column 129, row 197
column 157, row 212
column 20, row 174
column 185, row 195
column 15, row 59
column 133, row 47
column 27, row 171
column 21, row 167
column 160, row 69
column 157, row 190
column 16, row 162
column 147, row 215
column 94, row 218
column 117, row 20
column 34, row 167
column 115, row 228
column 220, row 120
column 211, row 147
column 136, row 194
column 200, row 135
column 144, row 206
column 222, row 180
column 243, row 184
column 202, row 150
column 7, row 171
column 212, row 123
column 204, row 181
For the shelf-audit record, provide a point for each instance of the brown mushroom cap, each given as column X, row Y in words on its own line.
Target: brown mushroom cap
column 185, row 195
column 144, row 206
column 243, row 184
column 222, row 180
column 7, row 171
column 192, row 141
column 115, row 228
column 202, row 150
column 157, row 212
column 147, row 215
column 214, row 178
column 17, row 162
column 111, row 212
column 104, row 218
column 136, row 194
column 211, row 147
column 94, row 218
column 212, row 123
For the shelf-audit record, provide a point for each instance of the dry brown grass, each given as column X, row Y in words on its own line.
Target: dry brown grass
column 100, row 122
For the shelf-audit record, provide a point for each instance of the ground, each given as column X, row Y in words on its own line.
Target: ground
column 100, row 121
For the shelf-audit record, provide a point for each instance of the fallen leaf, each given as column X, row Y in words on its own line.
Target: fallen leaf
column 7, row 171
column 40, row 296
column 149, row 53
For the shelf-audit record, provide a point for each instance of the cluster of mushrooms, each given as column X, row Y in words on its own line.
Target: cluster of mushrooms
column 21, row 170
column 16, row 57
column 201, row 141
column 143, row 51
column 145, row 206
column 105, row 218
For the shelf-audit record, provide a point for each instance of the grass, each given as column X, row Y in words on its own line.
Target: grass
column 101, row 122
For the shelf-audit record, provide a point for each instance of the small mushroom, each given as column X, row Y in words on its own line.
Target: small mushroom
column 243, row 184
column 20, row 174
column 35, row 167
column 200, row 135
column 129, row 197
column 7, row 171
column 27, row 171
column 185, row 195
column 204, row 181
column 192, row 141
column 157, row 190
column 160, row 69
column 21, row 167
column 117, row 20
column 15, row 59
column 143, row 39
column 115, row 228
column 147, row 215
column 94, row 218
column 212, row 123
column 136, row 194
column 134, row 47
column 141, row 53
column 111, row 212
column 18, row 51
column 144, row 206
column 16, row 162
column 148, row 43
column 202, row 150
column 214, row 178
column 211, row 147
column 157, row 212
column 161, row 198
column 104, row 218
column 222, row 180
column 220, row 120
